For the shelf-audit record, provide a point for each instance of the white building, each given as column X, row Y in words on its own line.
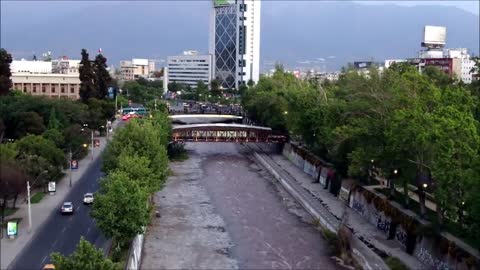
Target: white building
column 65, row 66
column 235, row 41
column 466, row 63
column 30, row 67
column 188, row 69
column 136, row 68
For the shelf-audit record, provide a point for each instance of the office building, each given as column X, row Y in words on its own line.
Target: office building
column 188, row 69
column 51, row 85
column 30, row 67
column 235, row 41
column 136, row 68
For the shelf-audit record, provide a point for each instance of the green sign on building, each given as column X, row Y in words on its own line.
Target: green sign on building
column 221, row 2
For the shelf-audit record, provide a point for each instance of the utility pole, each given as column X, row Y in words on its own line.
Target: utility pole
column 70, row 165
column 29, row 203
column 29, row 208
column 92, row 145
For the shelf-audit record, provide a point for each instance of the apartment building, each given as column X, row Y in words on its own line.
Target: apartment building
column 136, row 68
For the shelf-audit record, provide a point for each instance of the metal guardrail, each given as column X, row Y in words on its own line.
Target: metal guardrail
column 134, row 260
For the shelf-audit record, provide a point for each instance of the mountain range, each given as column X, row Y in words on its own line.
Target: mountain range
column 298, row 34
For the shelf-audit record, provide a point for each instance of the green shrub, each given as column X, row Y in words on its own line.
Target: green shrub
column 333, row 242
column 37, row 197
column 395, row 264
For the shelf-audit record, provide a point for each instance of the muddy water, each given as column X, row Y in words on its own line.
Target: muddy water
column 220, row 210
column 258, row 213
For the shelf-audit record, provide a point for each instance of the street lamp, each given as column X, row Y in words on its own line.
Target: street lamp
column 29, row 203
column 425, row 185
column 285, row 112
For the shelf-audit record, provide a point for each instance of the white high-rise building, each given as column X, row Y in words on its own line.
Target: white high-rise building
column 188, row 69
column 235, row 41
column 464, row 71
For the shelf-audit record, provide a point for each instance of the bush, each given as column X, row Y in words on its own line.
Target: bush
column 177, row 152
column 333, row 242
column 395, row 264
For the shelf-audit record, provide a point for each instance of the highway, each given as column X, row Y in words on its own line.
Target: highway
column 61, row 233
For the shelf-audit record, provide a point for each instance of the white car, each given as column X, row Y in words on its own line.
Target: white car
column 67, row 208
column 88, row 198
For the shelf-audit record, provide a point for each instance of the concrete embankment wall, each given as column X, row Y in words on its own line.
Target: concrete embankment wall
column 364, row 256
column 435, row 251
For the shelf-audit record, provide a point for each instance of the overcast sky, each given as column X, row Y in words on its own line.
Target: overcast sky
column 472, row 6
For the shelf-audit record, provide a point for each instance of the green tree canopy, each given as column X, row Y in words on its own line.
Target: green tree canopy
column 88, row 88
column 121, row 208
column 102, row 76
column 85, row 257
column 5, row 73
column 28, row 123
column 37, row 145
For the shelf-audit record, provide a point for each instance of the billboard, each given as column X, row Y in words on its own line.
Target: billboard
column 73, row 164
column 362, row 64
column 12, row 228
column 434, row 35
column 52, row 187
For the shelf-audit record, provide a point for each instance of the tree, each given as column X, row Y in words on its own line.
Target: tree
column 454, row 159
column 5, row 73
column 28, row 123
column 215, row 88
column 12, row 183
column 121, row 209
column 174, row 87
column 2, row 129
column 139, row 169
column 147, row 139
column 39, row 146
column 102, row 76
column 250, row 83
column 8, row 152
column 201, row 91
column 53, row 122
column 85, row 257
column 55, row 136
column 87, row 78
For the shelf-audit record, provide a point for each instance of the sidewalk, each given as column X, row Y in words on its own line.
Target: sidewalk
column 360, row 227
column 9, row 248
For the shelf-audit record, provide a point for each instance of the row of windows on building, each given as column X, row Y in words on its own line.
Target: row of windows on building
column 188, row 61
column 185, row 68
column 44, row 88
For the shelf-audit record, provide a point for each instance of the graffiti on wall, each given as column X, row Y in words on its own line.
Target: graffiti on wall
column 323, row 176
column 382, row 223
column 309, row 169
column 427, row 259
column 401, row 236
column 357, row 206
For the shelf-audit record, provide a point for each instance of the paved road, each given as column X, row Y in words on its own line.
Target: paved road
column 62, row 233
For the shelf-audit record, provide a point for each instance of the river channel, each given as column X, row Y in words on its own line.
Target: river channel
column 221, row 210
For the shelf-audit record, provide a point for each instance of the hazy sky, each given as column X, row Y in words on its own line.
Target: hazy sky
column 472, row 6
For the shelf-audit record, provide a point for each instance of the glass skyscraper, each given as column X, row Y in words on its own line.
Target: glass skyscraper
column 235, row 41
